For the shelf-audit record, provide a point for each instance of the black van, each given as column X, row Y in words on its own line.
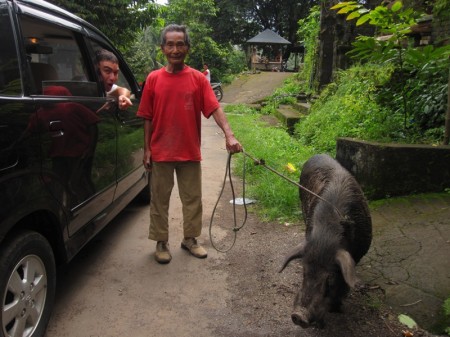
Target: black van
column 70, row 160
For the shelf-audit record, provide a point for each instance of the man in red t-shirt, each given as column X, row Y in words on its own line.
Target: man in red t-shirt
column 172, row 104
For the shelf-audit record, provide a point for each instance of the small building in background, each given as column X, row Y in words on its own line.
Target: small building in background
column 265, row 51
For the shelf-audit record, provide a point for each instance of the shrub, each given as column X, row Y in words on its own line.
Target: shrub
column 348, row 108
column 418, row 89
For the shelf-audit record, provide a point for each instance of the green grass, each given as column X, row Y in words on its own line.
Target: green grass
column 349, row 107
column 277, row 198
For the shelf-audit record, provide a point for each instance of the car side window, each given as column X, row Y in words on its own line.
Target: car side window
column 121, row 79
column 10, row 84
column 55, row 59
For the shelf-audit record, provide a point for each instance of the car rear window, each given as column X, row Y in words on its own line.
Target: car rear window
column 55, row 59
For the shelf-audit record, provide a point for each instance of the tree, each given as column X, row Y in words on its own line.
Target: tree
column 308, row 32
column 144, row 55
column 120, row 20
column 196, row 15
column 243, row 19
column 233, row 22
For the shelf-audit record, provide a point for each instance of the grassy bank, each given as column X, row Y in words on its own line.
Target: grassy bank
column 277, row 199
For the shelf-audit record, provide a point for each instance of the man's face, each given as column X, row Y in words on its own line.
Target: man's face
column 110, row 73
column 175, row 48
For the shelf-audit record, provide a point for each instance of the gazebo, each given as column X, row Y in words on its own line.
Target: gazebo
column 266, row 51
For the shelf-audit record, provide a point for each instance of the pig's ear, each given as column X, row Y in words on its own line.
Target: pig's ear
column 295, row 253
column 347, row 264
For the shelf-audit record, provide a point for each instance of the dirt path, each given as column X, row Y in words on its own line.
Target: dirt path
column 251, row 88
column 115, row 288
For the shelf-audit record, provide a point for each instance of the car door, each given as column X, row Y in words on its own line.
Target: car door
column 130, row 133
column 78, row 137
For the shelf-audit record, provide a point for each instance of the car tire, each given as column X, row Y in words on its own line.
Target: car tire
column 27, row 285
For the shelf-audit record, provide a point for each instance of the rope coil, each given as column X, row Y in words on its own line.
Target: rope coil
column 235, row 228
column 260, row 162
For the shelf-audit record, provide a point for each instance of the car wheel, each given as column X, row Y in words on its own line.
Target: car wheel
column 27, row 285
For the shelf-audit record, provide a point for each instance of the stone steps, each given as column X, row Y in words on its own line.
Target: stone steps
column 289, row 115
column 303, row 108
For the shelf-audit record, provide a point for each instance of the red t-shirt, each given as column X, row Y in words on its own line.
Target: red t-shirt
column 175, row 103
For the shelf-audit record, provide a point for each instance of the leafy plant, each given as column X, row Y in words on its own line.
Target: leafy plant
column 144, row 55
column 284, row 95
column 348, row 108
column 393, row 19
column 442, row 323
column 120, row 20
column 441, row 9
column 418, row 88
column 308, row 32
column 392, row 23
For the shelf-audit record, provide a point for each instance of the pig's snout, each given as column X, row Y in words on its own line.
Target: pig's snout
column 300, row 317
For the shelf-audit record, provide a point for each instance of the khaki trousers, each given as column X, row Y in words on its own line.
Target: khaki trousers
column 189, row 179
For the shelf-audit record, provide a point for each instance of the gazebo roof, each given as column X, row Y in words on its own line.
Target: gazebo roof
column 268, row 37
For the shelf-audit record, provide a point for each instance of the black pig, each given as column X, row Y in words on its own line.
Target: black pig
column 338, row 234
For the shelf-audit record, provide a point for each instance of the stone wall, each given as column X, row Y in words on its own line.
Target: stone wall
column 385, row 170
column 441, row 31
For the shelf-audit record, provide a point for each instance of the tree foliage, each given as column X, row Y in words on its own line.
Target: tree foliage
column 393, row 22
column 195, row 15
column 145, row 55
column 120, row 20
column 239, row 20
column 216, row 26
column 308, row 32
column 204, row 48
column 442, row 9
column 418, row 88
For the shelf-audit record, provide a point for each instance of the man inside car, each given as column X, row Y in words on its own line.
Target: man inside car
column 108, row 66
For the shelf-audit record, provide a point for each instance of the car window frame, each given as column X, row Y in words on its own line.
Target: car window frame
column 125, row 71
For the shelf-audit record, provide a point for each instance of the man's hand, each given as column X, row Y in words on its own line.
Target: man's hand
column 147, row 160
column 124, row 102
column 233, row 145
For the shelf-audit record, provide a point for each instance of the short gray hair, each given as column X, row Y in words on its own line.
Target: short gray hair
column 175, row 28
